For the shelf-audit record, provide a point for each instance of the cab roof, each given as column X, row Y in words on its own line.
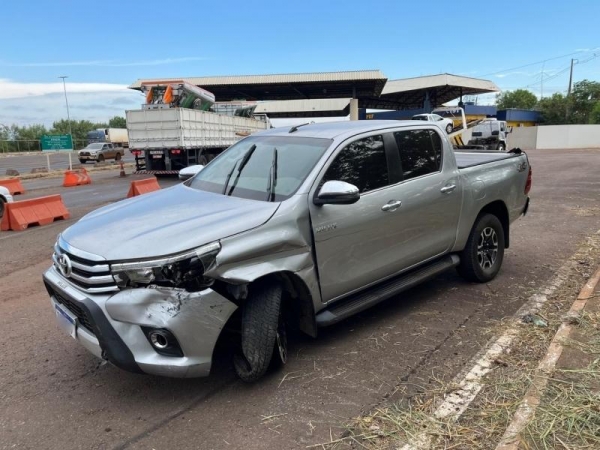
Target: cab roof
column 337, row 130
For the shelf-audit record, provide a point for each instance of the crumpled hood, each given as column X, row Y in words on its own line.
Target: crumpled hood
column 165, row 222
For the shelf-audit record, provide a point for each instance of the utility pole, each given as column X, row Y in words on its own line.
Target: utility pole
column 67, row 103
column 542, row 80
column 569, row 89
column 571, row 76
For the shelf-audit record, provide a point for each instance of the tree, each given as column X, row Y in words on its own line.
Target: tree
column 595, row 113
column 520, row 99
column 117, row 122
column 553, row 109
column 583, row 99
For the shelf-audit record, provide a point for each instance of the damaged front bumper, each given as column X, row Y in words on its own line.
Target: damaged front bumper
column 116, row 326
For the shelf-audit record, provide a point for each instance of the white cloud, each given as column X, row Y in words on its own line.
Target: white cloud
column 16, row 89
column 105, row 63
column 27, row 103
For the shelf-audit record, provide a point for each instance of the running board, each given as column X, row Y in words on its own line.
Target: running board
column 371, row 296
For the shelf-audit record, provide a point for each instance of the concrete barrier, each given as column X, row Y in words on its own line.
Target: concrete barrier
column 13, row 185
column 20, row 215
column 140, row 187
column 76, row 178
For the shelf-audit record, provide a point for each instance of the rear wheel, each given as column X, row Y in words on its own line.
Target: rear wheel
column 482, row 257
column 501, row 147
column 264, row 338
column 1, row 207
column 118, row 157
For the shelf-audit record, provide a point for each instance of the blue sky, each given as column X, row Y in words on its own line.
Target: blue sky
column 104, row 46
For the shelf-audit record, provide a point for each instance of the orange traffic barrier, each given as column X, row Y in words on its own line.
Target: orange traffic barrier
column 143, row 187
column 76, row 178
column 13, row 185
column 35, row 211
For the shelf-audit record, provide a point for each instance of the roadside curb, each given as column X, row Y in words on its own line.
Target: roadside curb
column 526, row 409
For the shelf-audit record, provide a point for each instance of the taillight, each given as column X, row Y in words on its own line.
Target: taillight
column 175, row 152
column 136, row 152
column 528, row 184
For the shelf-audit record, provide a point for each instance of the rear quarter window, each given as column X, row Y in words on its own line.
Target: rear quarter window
column 420, row 152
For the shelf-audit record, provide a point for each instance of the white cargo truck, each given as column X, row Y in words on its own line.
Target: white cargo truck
column 116, row 136
column 165, row 141
column 176, row 127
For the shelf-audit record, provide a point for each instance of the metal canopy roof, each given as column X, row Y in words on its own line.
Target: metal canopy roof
column 370, row 87
column 330, row 107
column 358, row 84
column 408, row 93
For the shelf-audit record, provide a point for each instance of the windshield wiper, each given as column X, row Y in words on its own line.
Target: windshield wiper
column 272, row 178
column 245, row 160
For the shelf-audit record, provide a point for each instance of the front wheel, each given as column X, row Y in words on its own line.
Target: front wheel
column 83, row 161
column 501, row 147
column 264, row 340
column 100, row 158
column 482, row 257
column 449, row 128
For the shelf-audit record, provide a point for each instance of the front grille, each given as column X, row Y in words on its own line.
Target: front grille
column 93, row 277
column 84, row 320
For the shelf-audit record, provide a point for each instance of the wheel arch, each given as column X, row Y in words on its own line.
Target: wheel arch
column 498, row 209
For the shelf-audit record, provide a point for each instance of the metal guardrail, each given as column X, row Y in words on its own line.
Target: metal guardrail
column 34, row 145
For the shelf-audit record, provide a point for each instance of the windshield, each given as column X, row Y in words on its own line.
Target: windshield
column 94, row 147
column 269, row 168
column 419, row 117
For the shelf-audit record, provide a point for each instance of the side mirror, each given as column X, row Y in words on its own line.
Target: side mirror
column 495, row 133
column 337, row 193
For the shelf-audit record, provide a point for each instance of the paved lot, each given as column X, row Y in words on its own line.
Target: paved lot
column 55, row 395
column 57, row 160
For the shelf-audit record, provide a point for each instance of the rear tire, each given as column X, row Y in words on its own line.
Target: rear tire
column 261, row 333
column 482, row 257
column 118, row 157
column 1, row 207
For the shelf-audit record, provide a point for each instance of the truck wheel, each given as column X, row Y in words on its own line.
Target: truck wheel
column 118, row 157
column 264, row 341
column 83, row 161
column 482, row 257
column 449, row 128
column 100, row 158
column 501, row 147
column 1, row 207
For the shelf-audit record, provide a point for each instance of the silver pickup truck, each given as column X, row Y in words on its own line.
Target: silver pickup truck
column 297, row 227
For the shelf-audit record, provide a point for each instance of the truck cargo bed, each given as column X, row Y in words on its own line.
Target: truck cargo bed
column 470, row 158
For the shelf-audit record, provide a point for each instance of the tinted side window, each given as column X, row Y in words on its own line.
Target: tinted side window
column 361, row 163
column 420, row 152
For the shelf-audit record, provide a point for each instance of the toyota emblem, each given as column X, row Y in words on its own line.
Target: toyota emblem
column 64, row 265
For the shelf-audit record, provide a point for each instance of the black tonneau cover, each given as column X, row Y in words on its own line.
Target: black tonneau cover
column 471, row 158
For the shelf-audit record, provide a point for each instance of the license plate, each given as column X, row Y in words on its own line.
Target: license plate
column 156, row 152
column 156, row 156
column 65, row 320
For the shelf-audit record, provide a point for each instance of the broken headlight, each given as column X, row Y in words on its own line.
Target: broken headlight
column 183, row 270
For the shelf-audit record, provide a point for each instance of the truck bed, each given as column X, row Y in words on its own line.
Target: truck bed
column 476, row 158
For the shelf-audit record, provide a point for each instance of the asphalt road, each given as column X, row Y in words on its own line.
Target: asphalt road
column 24, row 163
column 53, row 394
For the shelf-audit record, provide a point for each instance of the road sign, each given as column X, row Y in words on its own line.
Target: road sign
column 56, row 142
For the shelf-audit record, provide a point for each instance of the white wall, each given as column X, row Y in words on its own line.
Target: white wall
column 568, row 136
column 522, row 137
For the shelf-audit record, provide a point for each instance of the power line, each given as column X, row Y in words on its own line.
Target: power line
column 537, row 62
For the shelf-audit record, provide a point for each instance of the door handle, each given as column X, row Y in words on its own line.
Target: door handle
column 448, row 189
column 392, row 205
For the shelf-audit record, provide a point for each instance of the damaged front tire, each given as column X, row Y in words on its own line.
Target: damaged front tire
column 264, row 340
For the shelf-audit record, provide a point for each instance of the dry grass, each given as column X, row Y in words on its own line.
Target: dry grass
column 568, row 416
